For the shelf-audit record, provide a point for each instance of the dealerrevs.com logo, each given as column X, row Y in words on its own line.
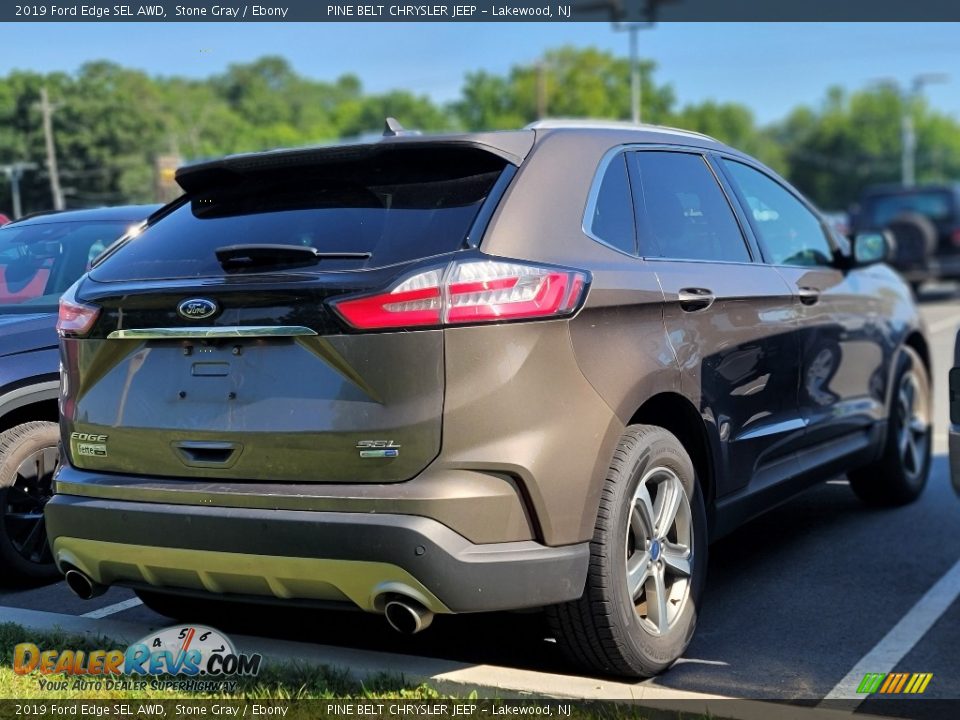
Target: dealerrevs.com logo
column 184, row 657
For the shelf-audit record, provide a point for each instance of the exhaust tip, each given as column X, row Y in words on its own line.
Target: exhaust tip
column 407, row 616
column 82, row 586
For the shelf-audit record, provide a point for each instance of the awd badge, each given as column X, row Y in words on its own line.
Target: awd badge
column 378, row 448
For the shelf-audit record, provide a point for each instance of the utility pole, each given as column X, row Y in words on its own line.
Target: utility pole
column 636, row 90
column 14, row 173
column 47, row 110
column 541, row 89
column 908, row 135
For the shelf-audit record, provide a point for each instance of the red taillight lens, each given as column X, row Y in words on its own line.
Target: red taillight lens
column 469, row 292
column 75, row 318
column 414, row 302
column 955, row 238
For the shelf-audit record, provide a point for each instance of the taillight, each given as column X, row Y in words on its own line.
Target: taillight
column 955, row 238
column 469, row 292
column 75, row 318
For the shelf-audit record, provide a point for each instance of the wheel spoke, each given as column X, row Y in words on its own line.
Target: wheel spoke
column 904, row 440
column 28, row 469
column 641, row 520
column 667, row 505
column 32, row 542
column 911, row 459
column 638, row 570
column 22, row 516
column 657, row 601
column 677, row 558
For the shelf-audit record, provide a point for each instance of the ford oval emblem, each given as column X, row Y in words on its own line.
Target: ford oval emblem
column 197, row 308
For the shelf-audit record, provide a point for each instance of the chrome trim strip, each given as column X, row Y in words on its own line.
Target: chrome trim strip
column 229, row 331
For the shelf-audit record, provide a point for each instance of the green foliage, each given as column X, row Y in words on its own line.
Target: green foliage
column 112, row 122
column 853, row 140
column 572, row 82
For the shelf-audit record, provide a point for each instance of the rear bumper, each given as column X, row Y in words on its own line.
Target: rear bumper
column 303, row 555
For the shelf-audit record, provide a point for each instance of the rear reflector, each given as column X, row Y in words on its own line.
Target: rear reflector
column 75, row 318
column 469, row 292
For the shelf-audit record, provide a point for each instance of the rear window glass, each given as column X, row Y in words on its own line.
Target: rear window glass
column 881, row 209
column 396, row 205
column 39, row 261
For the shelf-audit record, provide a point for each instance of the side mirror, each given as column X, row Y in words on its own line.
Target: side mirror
column 871, row 247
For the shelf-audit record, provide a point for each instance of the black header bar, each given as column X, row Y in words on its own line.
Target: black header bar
column 563, row 11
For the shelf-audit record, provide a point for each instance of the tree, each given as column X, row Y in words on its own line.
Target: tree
column 734, row 125
column 853, row 140
column 577, row 82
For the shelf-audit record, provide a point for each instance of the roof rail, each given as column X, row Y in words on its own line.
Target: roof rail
column 588, row 123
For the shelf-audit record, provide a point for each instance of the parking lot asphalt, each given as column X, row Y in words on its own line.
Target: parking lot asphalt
column 797, row 600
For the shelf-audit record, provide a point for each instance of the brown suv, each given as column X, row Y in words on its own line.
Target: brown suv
column 476, row 372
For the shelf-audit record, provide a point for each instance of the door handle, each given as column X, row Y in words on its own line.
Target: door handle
column 693, row 299
column 808, row 295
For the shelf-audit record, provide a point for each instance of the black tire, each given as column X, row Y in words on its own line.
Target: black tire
column 24, row 551
column 184, row 607
column 894, row 479
column 915, row 240
column 605, row 631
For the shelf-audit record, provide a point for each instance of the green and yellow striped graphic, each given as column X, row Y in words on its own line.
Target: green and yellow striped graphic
column 894, row 683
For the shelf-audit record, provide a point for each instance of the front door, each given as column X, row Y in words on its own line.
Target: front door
column 731, row 319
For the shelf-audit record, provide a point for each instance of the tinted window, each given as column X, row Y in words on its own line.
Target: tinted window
column 790, row 233
column 881, row 209
column 613, row 213
column 682, row 212
column 39, row 261
column 397, row 205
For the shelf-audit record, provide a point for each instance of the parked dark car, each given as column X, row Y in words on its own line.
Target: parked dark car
column 925, row 223
column 40, row 257
column 492, row 371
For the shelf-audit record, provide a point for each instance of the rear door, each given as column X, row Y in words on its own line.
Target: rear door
column 730, row 319
column 211, row 361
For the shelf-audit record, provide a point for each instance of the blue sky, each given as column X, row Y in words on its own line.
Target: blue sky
column 769, row 67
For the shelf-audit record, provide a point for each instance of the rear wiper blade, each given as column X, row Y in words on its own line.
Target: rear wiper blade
column 267, row 254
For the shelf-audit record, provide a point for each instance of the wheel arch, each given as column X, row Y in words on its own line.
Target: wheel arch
column 676, row 414
column 32, row 402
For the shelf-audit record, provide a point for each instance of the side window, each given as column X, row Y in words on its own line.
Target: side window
column 790, row 233
column 612, row 220
column 682, row 213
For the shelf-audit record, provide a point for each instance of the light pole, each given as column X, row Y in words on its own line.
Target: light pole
column 14, row 172
column 645, row 11
column 908, row 133
column 636, row 91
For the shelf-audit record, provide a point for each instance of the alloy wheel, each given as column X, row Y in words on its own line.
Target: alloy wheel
column 913, row 415
column 23, row 513
column 659, row 540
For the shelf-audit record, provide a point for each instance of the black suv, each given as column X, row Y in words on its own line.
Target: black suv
column 40, row 257
column 925, row 223
column 489, row 371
